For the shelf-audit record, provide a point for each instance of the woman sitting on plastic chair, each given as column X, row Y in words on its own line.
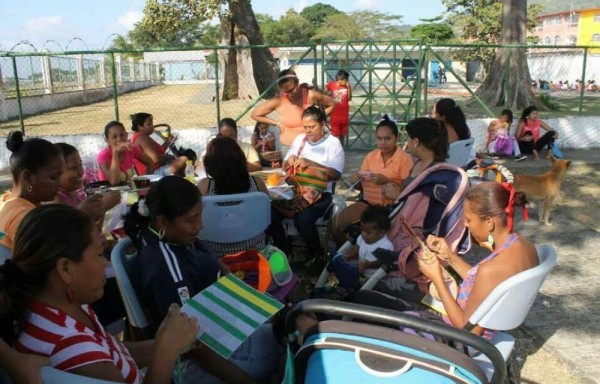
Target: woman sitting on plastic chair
column 142, row 125
column 57, row 270
column 225, row 166
column 488, row 213
column 173, row 265
column 314, row 148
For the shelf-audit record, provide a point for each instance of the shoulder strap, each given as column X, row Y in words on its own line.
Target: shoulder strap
column 302, row 145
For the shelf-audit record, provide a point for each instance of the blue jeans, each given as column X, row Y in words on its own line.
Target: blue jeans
column 304, row 223
column 259, row 356
column 346, row 273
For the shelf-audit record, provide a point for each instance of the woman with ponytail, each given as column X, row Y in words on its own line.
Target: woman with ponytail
column 447, row 111
column 57, row 270
column 489, row 214
column 36, row 166
column 315, row 147
column 173, row 264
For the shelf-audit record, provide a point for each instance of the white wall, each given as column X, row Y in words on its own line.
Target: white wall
column 574, row 132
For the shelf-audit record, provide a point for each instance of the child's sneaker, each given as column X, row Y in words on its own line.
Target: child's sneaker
column 520, row 157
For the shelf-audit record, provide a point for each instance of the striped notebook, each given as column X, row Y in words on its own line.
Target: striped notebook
column 228, row 312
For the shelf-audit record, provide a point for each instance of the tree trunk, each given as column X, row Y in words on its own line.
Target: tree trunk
column 264, row 66
column 230, row 79
column 510, row 72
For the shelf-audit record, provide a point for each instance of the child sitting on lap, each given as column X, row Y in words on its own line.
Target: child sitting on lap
column 359, row 260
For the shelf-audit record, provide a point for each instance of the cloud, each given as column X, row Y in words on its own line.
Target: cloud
column 42, row 24
column 300, row 5
column 366, row 4
column 128, row 20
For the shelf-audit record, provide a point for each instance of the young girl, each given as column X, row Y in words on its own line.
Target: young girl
column 70, row 189
column 500, row 128
column 263, row 141
column 116, row 161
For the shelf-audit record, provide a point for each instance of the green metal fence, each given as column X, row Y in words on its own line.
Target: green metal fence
column 78, row 92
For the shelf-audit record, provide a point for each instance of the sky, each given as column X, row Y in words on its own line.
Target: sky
column 84, row 24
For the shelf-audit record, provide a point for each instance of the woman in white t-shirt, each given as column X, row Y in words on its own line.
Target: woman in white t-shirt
column 315, row 147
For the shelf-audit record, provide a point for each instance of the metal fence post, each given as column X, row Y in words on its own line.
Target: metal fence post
column 426, row 83
column 21, row 122
column 217, row 97
column 113, row 74
column 582, row 84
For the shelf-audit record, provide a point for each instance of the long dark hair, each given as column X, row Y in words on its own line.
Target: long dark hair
column 29, row 155
column 432, row 134
column 526, row 112
column 171, row 197
column 46, row 234
column 225, row 163
column 454, row 117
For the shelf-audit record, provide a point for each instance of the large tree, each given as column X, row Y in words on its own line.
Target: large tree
column 317, row 14
column 238, row 26
column 291, row 28
column 510, row 72
column 432, row 32
column 360, row 25
column 498, row 22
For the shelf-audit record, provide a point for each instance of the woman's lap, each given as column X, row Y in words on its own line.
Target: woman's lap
column 259, row 356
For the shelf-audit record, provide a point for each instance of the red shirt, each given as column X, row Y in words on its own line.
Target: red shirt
column 71, row 344
column 339, row 94
column 141, row 167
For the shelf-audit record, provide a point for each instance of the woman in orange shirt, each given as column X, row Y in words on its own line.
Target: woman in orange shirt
column 293, row 99
column 387, row 164
column 36, row 166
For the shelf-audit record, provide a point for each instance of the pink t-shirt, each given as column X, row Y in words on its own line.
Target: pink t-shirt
column 126, row 166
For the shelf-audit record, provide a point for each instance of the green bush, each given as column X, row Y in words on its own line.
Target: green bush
column 546, row 99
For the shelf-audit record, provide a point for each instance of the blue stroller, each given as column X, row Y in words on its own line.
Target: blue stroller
column 345, row 352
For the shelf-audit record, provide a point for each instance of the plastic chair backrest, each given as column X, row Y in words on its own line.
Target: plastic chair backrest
column 119, row 259
column 508, row 304
column 235, row 218
column 5, row 253
column 54, row 376
column 459, row 151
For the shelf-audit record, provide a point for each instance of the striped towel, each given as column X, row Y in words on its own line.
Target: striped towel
column 228, row 312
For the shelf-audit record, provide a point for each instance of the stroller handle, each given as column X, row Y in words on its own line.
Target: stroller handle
column 399, row 319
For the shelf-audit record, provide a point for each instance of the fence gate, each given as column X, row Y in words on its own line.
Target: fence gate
column 385, row 78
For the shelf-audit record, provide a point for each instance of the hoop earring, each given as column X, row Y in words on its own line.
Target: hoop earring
column 29, row 188
column 161, row 233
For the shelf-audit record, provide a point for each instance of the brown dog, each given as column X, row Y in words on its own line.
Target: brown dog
column 545, row 187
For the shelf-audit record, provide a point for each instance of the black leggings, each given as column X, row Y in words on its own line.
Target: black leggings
column 544, row 141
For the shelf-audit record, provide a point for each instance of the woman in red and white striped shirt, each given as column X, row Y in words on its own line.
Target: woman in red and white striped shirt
column 56, row 271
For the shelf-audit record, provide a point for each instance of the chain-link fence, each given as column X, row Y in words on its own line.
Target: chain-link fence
column 78, row 92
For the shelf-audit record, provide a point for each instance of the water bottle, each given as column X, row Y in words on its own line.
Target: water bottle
column 189, row 172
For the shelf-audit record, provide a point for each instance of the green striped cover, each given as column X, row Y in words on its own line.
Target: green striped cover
column 228, row 312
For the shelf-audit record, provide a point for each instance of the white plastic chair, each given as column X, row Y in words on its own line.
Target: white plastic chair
column 459, row 152
column 509, row 303
column 235, row 218
column 5, row 253
column 119, row 260
column 54, row 376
